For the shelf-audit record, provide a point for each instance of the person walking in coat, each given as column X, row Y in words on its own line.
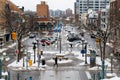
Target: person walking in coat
column 56, row 62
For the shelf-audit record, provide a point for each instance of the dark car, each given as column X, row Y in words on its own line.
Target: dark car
column 73, row 37
column 93, row 36
column 82, row 34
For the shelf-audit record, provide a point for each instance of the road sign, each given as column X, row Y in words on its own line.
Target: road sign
column 83, row 51
column 16, row 51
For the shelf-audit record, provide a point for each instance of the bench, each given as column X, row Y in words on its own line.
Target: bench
column 61, row 56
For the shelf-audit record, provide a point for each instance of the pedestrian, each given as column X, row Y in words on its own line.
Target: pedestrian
column 56, row 61
column 71, row 45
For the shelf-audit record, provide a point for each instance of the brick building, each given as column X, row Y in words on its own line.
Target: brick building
column 115, row 23
column 69, row 12
column 5, row 36
column 43, row 19
column 115, row 17
column 43, row 10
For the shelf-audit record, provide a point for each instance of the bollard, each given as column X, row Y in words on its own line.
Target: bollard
column 99, row 77
column 18, row 76
column 8, row 75
column 43, row 61
column 30, row 78
column 0, row 69
column 93, row 76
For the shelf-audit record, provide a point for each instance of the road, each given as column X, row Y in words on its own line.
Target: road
column 60, row 73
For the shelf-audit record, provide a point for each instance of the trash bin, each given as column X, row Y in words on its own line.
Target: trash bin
column 30, row 78
column 43, row 61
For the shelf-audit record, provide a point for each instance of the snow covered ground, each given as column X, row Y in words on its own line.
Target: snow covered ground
column 19, row 65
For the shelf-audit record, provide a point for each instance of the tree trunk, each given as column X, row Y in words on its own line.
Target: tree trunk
column 19, row 49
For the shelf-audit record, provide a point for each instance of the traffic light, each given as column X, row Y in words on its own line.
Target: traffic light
column 30, row 62
column 14, row 35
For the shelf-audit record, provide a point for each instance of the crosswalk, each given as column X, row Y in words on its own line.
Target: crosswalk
column 64, row 47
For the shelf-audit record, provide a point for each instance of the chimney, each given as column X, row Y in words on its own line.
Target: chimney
column 43, row 2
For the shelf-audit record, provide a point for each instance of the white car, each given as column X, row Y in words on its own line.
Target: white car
column 32, row 35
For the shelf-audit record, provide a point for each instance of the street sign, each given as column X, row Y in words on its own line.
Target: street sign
column 16, row 51
column 83, row 51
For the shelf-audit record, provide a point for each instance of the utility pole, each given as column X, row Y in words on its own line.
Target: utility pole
column 60, row 43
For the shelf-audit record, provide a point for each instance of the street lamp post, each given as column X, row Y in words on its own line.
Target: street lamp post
column 85, row 52
column 34, row 48
column 37, row 39
column 111, row 55
column 23, row 59
column 60, row 43
column 38, row 54
column 82, row 45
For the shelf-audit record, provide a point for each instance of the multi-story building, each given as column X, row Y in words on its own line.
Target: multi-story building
column 104, row 17
column 76, row 15
column 43, row 10
column 58, row 13
column 115, row 23
column 68, row 12
column 115, row 17
column 51, row 12
column 43, row 17
column 5, row 35
column 82, row 6
column 61, row 13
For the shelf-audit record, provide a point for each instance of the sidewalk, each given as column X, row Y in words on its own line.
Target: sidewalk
column 9, row 45
column 4, row 48
column 19, row 66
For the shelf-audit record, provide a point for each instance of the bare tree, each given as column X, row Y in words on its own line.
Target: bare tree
column 15, row 22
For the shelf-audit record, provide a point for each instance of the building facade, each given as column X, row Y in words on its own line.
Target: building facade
column 115, row 24
column 82, row 6
column 43, row 17
column 43, row 10
column 68, row 12
column 104, row 18
column 5, row 34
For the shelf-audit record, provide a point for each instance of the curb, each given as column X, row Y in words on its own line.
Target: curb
column 88, row 75
column 10, row 45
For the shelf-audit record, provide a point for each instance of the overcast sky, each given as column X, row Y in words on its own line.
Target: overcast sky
column 53, row 4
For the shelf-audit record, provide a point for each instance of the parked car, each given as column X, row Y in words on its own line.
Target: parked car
column 72, row 37
column 32, row 35
column 93, row 36
column 82, row 34
column 45, row 41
